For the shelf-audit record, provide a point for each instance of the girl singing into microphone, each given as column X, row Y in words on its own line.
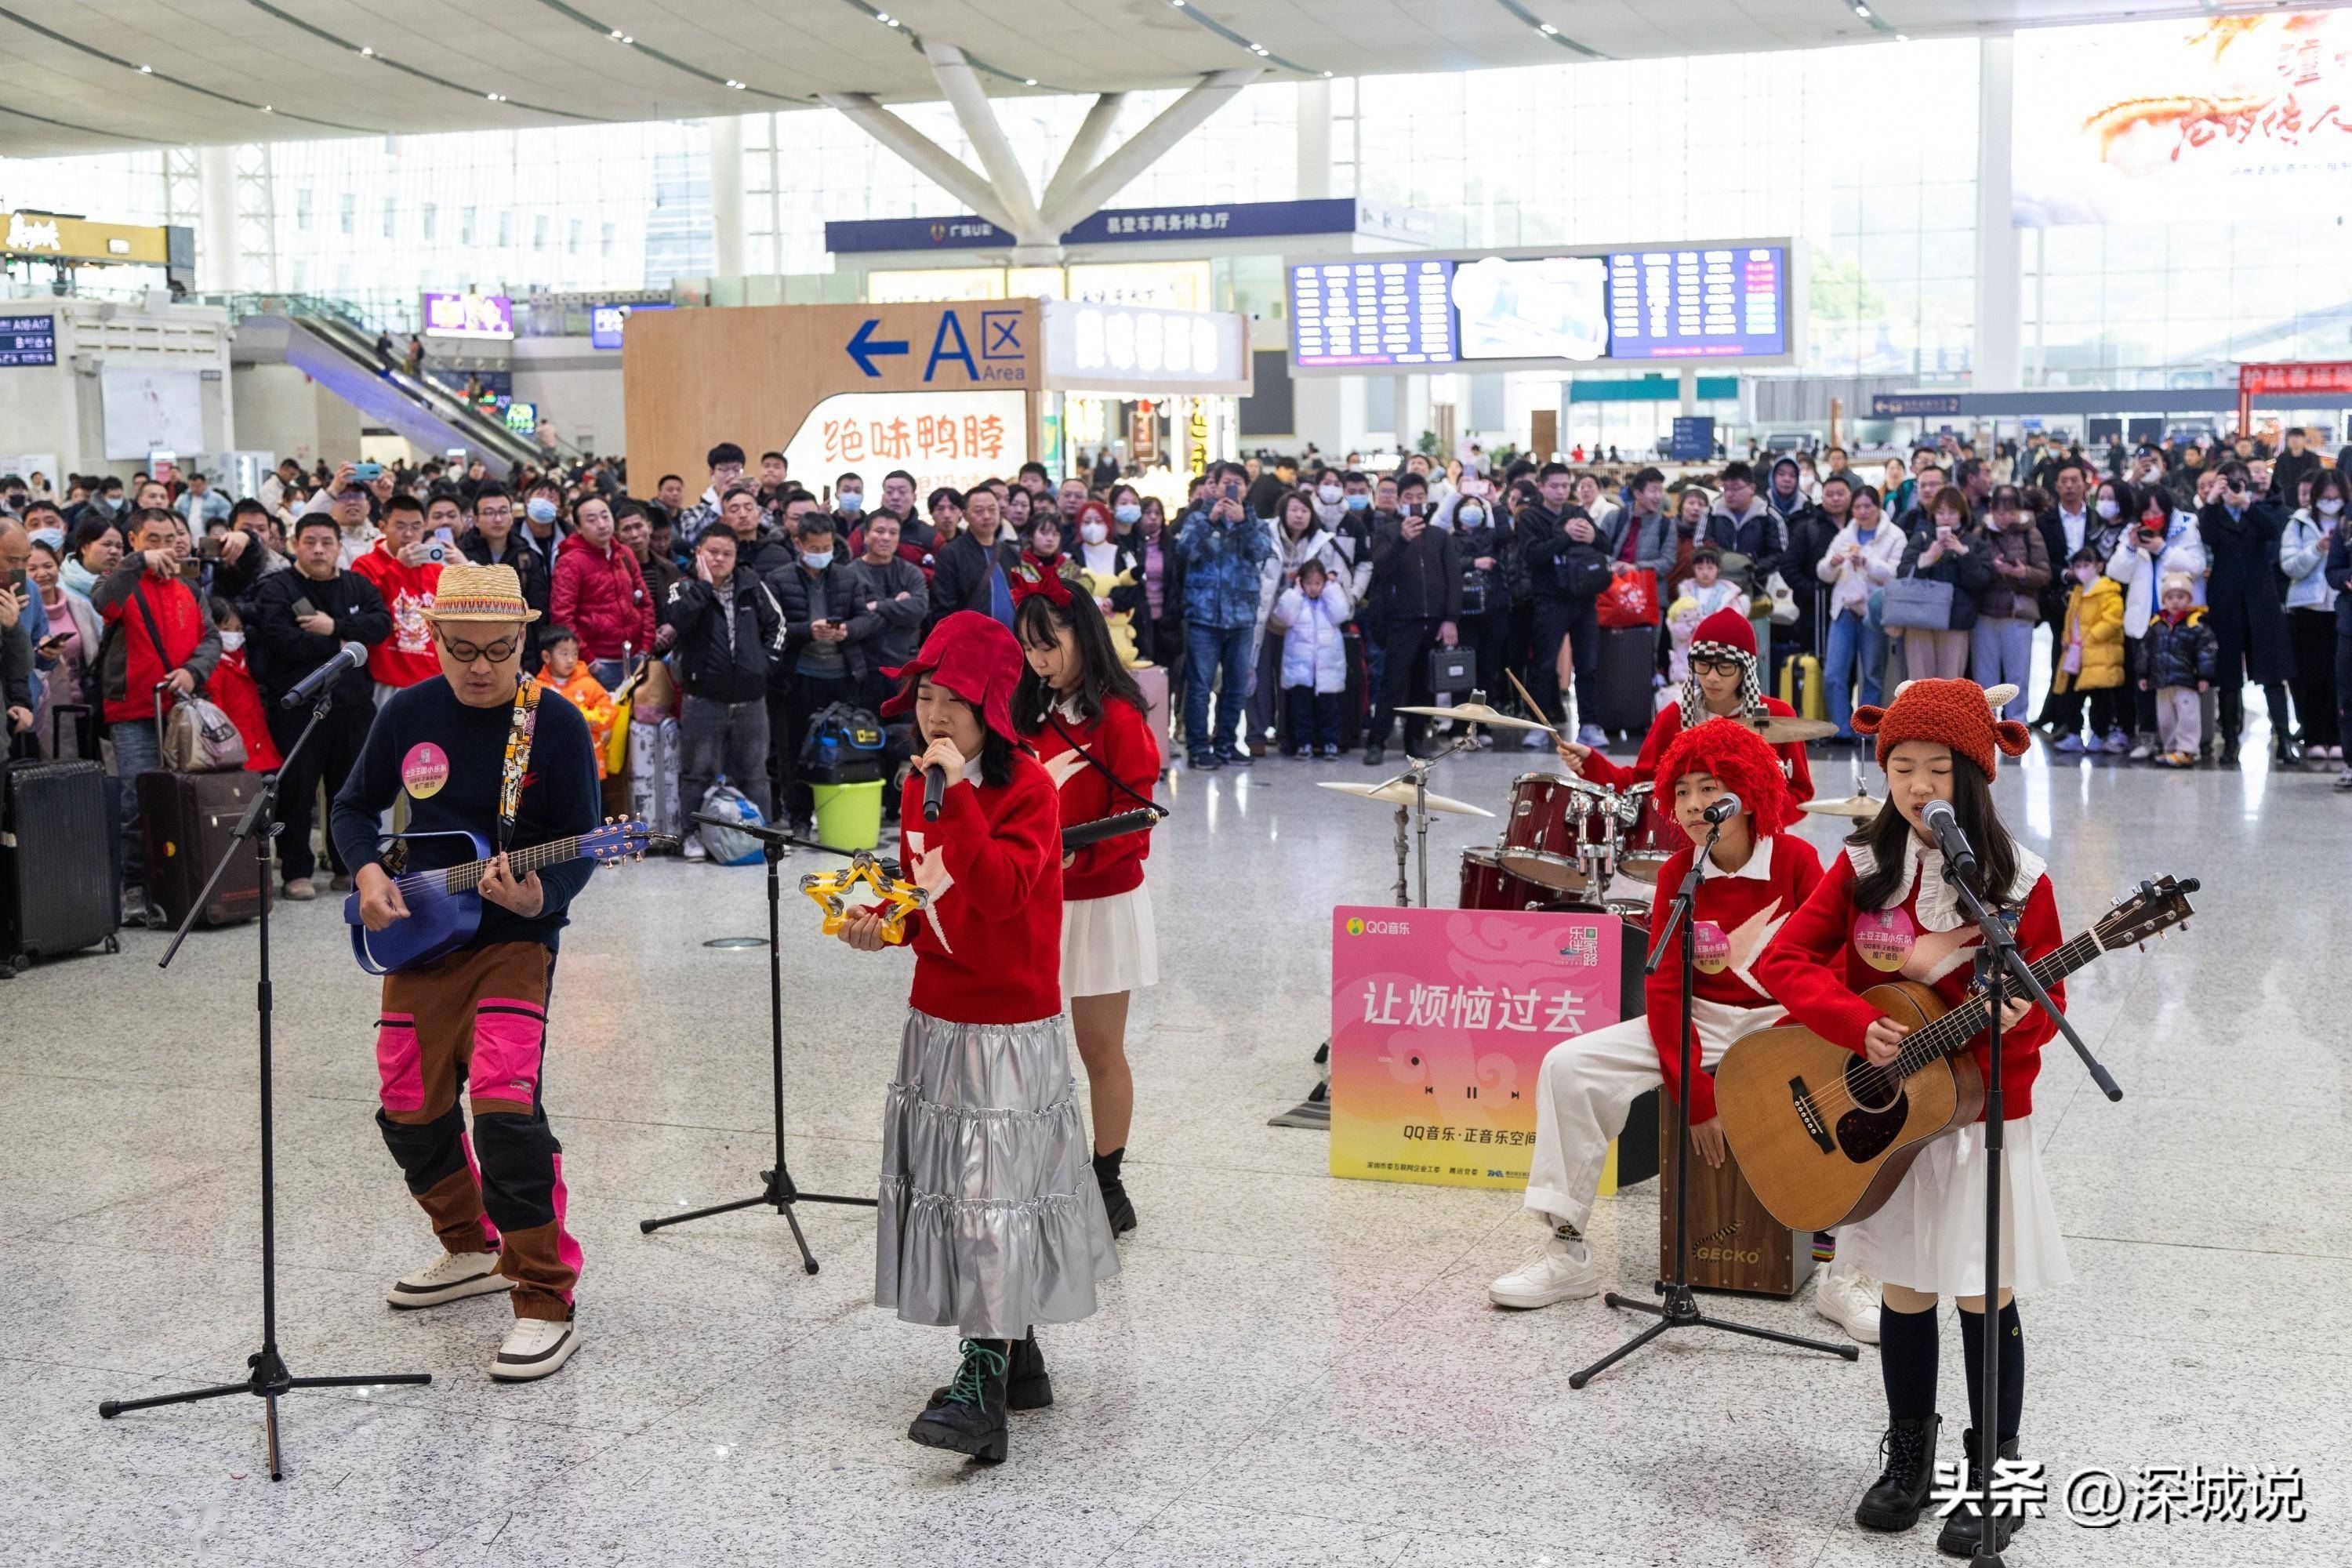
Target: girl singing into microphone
column 988, row 1221
column 1085, row 716
column 1885, row 910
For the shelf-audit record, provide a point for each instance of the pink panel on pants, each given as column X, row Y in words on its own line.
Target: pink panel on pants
column 567, row 1245
column 507, row 1037
column 398, row 1063
column 489, row 1231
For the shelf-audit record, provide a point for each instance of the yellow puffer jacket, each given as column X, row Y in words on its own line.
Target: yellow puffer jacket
column 2096, row 615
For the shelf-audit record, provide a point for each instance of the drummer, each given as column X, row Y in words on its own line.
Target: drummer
column 1723, row 684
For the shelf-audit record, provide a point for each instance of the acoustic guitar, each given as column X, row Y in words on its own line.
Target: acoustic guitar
column 1824, row 1138
column 444, row 905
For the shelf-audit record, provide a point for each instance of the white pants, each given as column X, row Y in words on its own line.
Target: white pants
column 1587, row 1084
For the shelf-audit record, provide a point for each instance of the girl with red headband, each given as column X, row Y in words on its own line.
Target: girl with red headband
column 1755, row 878
column 1081, row 709
column 1885, row 910
column 988, row 1222
column 1723, row 684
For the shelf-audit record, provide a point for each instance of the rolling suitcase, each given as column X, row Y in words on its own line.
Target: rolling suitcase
column 1621, row 684
column 186, row 821
column 652, row 777
column 57, row 864
column 1800, row 686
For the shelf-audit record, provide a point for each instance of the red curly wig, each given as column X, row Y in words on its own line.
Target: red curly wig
column 1741, row 761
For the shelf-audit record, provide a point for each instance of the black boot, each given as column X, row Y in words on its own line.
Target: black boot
column 2230, row 753
column 1116, row 1202
column 1026, row 1386
column 1894, row 1501
column 1963, row 1525
column 968, row 1415
column 2287, row 750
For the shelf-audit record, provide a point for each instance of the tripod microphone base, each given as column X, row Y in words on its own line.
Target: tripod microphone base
column 267, row 1380
column 776, row 1192
column 1680, row 1310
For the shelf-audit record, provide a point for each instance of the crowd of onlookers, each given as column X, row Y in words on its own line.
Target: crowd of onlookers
column 1287, row 603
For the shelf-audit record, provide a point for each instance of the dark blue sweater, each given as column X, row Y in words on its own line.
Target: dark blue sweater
column 559, row 794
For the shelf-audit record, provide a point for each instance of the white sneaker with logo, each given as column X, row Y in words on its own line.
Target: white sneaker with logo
column 1560, row 1269
column 1849, row 1298
column 533, row 1348
column 452, row 1277
column 694, row 849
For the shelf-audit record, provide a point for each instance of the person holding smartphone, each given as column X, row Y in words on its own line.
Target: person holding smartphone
column 1223, row 544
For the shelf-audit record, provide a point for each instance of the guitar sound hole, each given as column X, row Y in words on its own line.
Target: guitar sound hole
column 1879, row 1110
column 1873, row 1089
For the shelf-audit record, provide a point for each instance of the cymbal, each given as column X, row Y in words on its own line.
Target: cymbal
column 1479, row 713
column 1400, row 792
column 1859, row 807
column 1781, row 730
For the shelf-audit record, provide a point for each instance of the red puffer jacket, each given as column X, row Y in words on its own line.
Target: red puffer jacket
column 602, row 595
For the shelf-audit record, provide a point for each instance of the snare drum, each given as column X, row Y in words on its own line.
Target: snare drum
column 1654, row 839
column 1485, row 885
column 1552, row 818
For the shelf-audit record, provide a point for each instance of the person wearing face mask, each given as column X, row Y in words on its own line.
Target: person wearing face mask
column 2158, row 543
column 1108, row 551
column 826, row 627
column 491, row 542
column 2311, row 611
column 542, row 523
column 2242, row 534
column 1482, row 543
column 849, row 504
column 1159, row 626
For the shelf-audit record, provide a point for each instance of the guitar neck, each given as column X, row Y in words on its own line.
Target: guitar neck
column 465, row 878
column 1956, row 1028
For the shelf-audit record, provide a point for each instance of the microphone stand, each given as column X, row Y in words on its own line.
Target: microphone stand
column 1680, row 1310
column 265, row 1376
column 1998, row 962
column 777, row 1189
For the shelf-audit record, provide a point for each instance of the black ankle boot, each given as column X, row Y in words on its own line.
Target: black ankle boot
column 2287, row 750
column 1116, row 1202
column 2230, row 753
column 1026, row 1386
column 1894, row 1501
column 1964, row 1524
column 968, row 1415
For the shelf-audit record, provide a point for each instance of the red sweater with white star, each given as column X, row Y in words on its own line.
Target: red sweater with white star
column 1121, row 740
column 407, row 657
column 1669, row 724
column 988, row 948
column 1831, row 951
column 1737, row 913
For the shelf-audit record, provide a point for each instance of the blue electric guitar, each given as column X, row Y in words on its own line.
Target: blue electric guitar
column 445, row 907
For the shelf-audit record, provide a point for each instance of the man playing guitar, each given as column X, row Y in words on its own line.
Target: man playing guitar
column 480, row 751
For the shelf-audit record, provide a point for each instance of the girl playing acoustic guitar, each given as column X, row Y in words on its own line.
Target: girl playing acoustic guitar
column 1884, row 909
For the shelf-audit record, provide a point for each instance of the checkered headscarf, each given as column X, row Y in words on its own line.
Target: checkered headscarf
column 1725, row 634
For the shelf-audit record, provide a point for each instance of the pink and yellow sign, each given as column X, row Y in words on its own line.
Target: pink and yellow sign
column 1440, row 1020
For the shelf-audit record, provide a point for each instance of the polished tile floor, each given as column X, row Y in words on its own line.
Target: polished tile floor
column 1293, row 1370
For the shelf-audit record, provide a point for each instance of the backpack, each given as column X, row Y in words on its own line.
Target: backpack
column 843, row 746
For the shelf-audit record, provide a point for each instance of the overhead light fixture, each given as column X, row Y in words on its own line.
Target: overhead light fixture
column 366, row 53
column 1177, row 3
column 1863, row 11
column 736, row 85
column 264, row 109
column 616, row 32
column 1326, row 74
column 1547, row 29
column 146, row 70
column 627, row 39
column 1902, row 37
column 1257, row 49
column 496, row 97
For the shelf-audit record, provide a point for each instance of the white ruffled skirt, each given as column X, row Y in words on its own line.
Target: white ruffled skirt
column 1929, row 1235
column 991, row 1219
column 1109, row 944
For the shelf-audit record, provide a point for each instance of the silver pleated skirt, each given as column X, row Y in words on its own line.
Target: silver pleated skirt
column 991, row 1218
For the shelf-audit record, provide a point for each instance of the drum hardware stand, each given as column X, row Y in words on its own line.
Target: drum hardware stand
column 1680, row 1310
column 777, row 1189
column 266, row 1377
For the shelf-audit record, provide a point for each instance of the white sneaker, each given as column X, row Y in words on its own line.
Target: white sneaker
column 694, row 849
column 533, row 1348
column 1849, row 1298
column 452, row 1277
column 2144, row 751
column 1592, row 735
column 1560, row 1269
column 1536, row 740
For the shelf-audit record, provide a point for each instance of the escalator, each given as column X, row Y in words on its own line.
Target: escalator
column 334, row 347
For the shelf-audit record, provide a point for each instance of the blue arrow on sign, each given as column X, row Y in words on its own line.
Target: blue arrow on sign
column 863, row 347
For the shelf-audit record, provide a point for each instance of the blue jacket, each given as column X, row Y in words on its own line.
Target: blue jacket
column 1222, row 576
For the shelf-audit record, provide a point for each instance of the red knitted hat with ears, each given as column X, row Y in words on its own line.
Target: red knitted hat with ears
column 1740, row 759
column 1956, row 713
column 1730, row 629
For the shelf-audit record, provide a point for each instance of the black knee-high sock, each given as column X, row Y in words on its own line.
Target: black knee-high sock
column 1906, row 1362
column 2012, row 1367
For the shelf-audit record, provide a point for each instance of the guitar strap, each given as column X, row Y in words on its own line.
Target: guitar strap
column 526, row 720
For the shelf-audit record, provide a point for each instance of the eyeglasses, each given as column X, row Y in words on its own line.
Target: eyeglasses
column 1715, row 666
column 467, row 653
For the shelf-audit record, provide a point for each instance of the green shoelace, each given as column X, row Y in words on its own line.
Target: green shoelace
column 970, row 1385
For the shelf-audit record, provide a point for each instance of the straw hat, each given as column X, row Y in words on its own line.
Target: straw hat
column 470, row 593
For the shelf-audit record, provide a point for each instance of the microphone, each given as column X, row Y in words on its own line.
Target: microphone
column 350, row 656
column 1946, row 826
column 935, row 792
column 1723, row 810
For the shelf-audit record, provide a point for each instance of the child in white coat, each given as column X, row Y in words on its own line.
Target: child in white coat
column 1311, row 617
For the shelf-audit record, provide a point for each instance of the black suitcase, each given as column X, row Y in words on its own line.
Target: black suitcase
column 1622, row 684
column 186, row 821
column 57, row 891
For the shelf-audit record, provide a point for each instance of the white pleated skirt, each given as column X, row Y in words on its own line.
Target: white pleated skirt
column 1109, row 944
column 1929, row 1235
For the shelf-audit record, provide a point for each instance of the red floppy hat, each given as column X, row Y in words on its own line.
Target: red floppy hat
column 973, row 655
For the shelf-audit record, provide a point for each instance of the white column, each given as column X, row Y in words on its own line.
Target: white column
column 1314, row 140
column 216, row 243
column 1998, row 271
column 726, row 196
column 1688, row 387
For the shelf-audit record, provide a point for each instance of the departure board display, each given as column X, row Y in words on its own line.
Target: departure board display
column 1384, row 311
column 1720, row 302
column 28, row 340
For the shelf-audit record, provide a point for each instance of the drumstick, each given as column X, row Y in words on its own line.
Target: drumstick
column 1532, row 706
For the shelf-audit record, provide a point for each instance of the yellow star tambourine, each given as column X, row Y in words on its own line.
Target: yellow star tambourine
column 898, row 899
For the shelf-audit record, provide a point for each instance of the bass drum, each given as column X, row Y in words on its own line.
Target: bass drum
column 1485, row 885
column 1552, row 818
